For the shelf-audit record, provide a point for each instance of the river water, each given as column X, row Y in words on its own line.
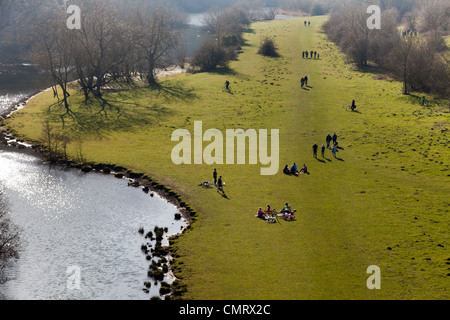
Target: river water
column 86, row 221
column 70, row 221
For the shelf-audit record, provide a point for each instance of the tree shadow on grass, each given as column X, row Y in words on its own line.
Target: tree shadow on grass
column 172, row 92
column 101, row 116
column 225, row 72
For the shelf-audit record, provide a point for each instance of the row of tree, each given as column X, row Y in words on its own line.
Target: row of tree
column 410, row 45
column 111, row 46
column 227, row 25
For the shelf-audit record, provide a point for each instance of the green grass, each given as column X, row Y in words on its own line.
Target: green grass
column 389, row 189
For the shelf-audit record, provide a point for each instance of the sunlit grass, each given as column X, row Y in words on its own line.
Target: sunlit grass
column 383, row 202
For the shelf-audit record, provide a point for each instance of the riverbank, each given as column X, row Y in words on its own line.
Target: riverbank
column 155, row 252
column 380, row 202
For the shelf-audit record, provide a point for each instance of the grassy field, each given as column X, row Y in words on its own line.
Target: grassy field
column 383, row 201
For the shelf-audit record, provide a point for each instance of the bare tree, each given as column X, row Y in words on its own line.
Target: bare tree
column 156, row 39
column 53, row 51
column 102, row 44
column 401, row 59
column 434, row 16
column 9, row 242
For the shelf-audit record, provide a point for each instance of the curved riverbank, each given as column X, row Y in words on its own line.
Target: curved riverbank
column 158, row 253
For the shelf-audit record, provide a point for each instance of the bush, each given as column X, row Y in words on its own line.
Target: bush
column 230, row 40
column 268, row 48
column 210, row 56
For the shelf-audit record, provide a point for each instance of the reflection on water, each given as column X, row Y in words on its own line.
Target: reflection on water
column 90, row 221
column 18, row 82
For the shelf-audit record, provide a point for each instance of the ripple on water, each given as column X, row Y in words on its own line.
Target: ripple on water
column 73, row 219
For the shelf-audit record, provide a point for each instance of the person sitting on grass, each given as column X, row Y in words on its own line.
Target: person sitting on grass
column 294, row 170
column 304, row 169
column 289, row 216
column 205, row 184
column 286, row 170
column 287, row 209
column 260, row 214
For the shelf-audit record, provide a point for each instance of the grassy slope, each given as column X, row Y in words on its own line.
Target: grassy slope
column 389, row 189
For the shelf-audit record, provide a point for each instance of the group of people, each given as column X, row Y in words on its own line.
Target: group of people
column 304, row 81
column 309, row 23
column 293, row 170
column 409, row 33
column 287, row 212
column 333, row 139
column 218, row 182
column 310, row 54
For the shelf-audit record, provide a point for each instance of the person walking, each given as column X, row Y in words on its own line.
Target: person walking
column 312, row 52
column 306, row 54
column 306, row 80
column 335, row 138
column 334, row 150
column 303, row 54
column 323, row 150
column 328, row 140
column 302, row 81
column 215, row 176
column 315, row 147
column 220, row 185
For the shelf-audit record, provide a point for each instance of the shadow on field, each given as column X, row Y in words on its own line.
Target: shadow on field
column 225, row 72
column 99, row 116
column 174, row 92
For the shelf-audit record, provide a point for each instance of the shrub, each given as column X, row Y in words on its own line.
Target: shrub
column 230, row 40
column 268, row 48
column 210, row 56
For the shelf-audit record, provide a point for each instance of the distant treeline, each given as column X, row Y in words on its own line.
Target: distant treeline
column 410, row 46
column 18, row 17
column 124, row 44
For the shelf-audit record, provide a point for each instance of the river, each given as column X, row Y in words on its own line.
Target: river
column 69, row 221
column 87, row 221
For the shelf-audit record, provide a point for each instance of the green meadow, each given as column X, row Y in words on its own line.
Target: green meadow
column 383, row 201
